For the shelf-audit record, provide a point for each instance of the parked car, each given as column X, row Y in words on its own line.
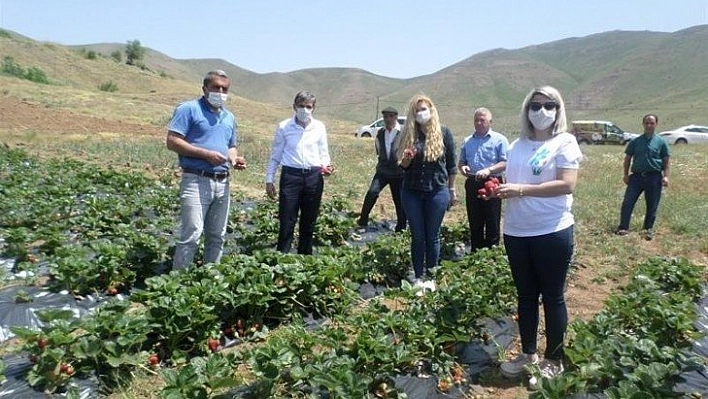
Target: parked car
column 371, row 129
column 627, row 136
column 600, row 132
column 689, row 134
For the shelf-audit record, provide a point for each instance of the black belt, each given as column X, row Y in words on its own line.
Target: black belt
column 650, row 173
column 211, row 175
column 301, row 171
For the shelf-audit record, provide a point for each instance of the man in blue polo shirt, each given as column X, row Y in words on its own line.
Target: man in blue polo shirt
column 482, row 157
column 203, row 133
column 648, row 155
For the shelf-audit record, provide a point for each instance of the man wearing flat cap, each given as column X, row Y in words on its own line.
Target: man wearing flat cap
column 387, row 170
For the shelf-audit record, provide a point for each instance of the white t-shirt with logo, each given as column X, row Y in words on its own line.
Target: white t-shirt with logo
column 535, row 162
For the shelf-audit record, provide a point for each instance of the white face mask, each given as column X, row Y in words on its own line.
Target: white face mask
column 303, row 114
column 217, row 99
column 423, row 116
column 542, row 119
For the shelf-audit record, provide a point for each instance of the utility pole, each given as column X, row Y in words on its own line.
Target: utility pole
column 377, row 108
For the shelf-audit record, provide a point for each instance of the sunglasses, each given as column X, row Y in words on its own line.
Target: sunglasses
column 551, row 105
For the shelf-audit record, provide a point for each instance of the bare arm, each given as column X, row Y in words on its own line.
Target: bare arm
column 625, row 168
column 667, row 172
column 563, row 184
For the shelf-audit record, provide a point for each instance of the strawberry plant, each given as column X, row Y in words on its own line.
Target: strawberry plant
column 256, row 228
column 637, row 344
column 3, row 367
column 53, row 363
column 386, row 260
column 334, row 223
column 202, row 377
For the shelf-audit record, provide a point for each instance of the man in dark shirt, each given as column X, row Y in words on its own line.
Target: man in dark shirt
column 387, row 170
column 648, row 155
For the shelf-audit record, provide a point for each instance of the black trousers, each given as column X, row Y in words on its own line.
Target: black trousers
column 484, row 216
column 378, row 183
column 300, row 193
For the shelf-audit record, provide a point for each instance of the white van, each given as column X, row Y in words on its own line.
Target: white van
column 371, row 129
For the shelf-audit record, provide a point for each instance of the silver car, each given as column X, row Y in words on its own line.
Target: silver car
column 371, row 129
column 690, row 134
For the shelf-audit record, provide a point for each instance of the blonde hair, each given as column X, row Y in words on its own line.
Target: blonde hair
column 560, row 124
column 434, row 147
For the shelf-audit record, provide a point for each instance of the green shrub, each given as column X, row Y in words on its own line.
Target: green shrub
column 117, row 56
column 36, row 75
column 109, row 86
column 12, row 68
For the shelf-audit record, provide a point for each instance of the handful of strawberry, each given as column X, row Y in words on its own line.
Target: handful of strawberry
column 490, row 188
column 326, row 170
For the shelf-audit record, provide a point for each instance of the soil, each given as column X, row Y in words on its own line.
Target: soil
column 17, row 115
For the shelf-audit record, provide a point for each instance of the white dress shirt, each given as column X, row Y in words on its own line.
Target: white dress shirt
column 389, row 136
column 298, row 147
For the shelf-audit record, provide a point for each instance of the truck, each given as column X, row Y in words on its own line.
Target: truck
column 600, row 132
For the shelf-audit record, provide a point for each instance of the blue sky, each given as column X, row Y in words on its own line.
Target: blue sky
column 400, row 39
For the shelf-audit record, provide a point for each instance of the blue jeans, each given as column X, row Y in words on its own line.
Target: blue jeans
column 205, row 208
column 539, row 266
column 425, row 212
column 650, row 184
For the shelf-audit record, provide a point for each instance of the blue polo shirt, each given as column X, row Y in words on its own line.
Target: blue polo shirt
column 203, row 128
column 482, row 152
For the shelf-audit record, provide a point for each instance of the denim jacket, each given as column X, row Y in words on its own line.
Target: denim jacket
column 426, row 176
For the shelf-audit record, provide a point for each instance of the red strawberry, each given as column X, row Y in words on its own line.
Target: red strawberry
column 43, row 343
column 153, row 360
column 482, row 192
column 213, row 344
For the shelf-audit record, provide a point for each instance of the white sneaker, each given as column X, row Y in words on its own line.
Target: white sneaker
column 429, row 285
column 418, row 287
column 514, row 368
column 548, row 369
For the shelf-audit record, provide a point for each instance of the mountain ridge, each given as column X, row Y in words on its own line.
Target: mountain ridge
column 616, row 75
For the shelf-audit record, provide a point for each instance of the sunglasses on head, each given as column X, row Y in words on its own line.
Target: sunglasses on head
column 550, row 105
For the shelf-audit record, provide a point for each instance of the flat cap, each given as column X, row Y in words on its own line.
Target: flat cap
column 390, row 110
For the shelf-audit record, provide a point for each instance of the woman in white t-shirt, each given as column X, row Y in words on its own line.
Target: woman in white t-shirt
column 541, row 172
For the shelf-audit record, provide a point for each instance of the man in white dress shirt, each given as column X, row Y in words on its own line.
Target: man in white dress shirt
column 300, row 147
